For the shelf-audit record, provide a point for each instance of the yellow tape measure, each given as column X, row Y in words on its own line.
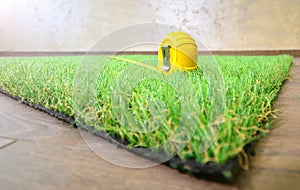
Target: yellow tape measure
column 177, row 51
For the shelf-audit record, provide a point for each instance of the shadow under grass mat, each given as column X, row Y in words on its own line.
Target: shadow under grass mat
column 75, row 92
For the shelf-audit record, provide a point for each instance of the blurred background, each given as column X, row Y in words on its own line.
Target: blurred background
column 76, row 25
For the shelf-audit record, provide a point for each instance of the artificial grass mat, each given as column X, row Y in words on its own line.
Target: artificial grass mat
column 62, row 85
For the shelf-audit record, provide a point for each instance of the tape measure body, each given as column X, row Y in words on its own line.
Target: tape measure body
column 183, row 52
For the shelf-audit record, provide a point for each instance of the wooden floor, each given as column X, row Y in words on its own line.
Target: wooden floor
column 40, row 152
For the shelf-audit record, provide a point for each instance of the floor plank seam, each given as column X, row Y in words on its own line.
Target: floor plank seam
column 8, row 144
